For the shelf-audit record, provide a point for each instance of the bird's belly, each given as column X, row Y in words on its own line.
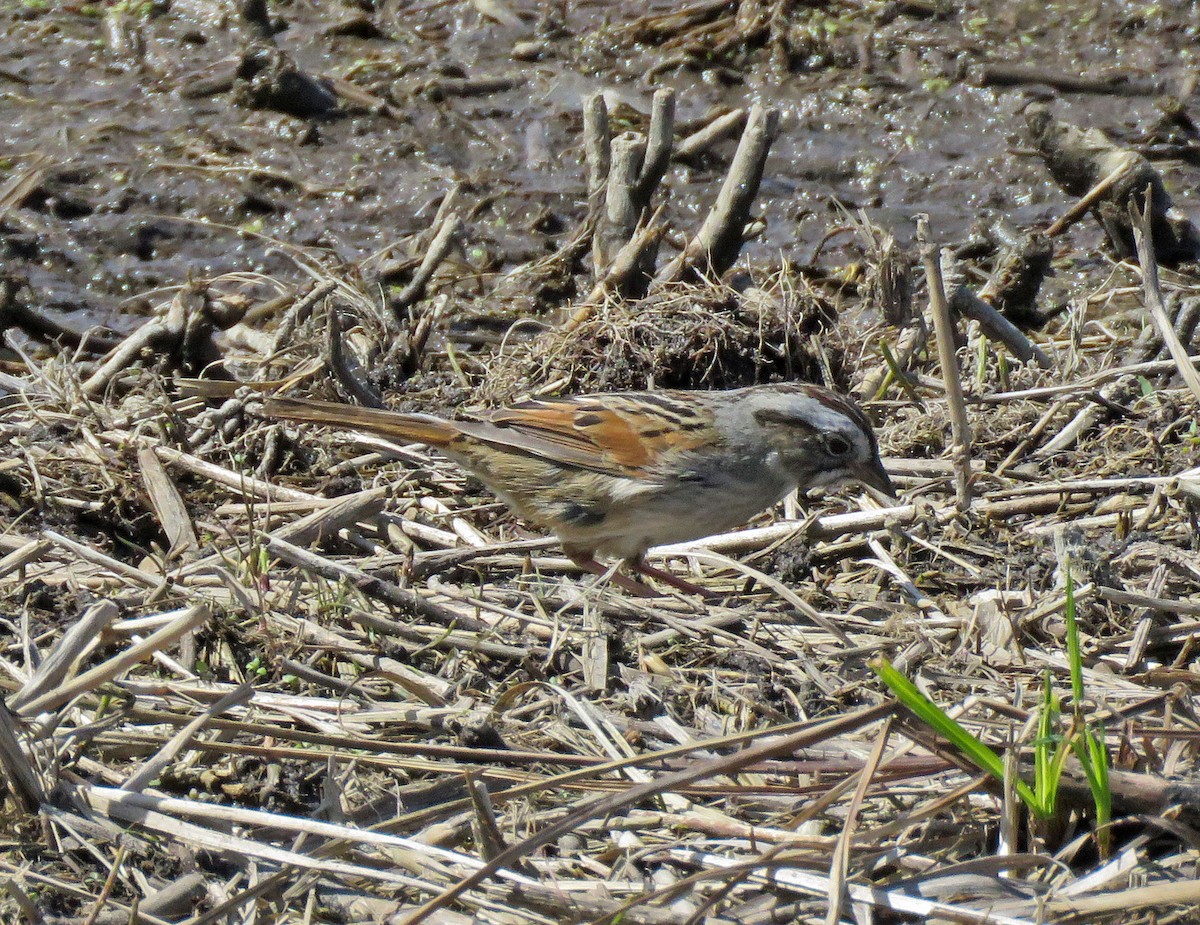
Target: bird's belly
column 680, row 515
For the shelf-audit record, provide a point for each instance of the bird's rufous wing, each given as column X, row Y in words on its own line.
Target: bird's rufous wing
column 627, row 435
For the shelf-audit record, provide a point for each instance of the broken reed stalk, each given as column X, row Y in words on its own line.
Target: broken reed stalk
column 943, row 328
column 624, row 265
column 1155, row 305
column 704, row 138
column 994, row 324
column 619, row 215
column 626, row 170
column 715, row 247
column 596, row 141
column 659, row 139
column 443, row 239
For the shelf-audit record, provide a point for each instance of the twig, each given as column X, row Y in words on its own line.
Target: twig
column 943, row 326
column 187, row 621
column 1123, row 170
column 716, row 245
column 439, row 247
column 994, row 324
column 596, row 143
column 704, row 138
column 1140, row 220
column 619, row 216
column 659, row 137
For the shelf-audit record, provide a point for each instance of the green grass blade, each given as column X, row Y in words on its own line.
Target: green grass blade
column 1093, row 758
column 1074, row 656
column 976, row 751
column 1043, row 750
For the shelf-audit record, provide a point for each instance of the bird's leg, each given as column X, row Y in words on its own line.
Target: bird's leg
column 639, row 565
column 589, row 564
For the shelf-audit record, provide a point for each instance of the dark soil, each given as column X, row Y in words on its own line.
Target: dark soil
column 150, row 179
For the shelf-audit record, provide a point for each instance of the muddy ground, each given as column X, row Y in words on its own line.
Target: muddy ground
column 150, row 178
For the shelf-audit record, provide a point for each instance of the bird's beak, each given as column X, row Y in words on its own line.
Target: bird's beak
column 872, row 473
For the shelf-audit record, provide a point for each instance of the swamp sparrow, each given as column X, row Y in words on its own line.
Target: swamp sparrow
column 616, row 473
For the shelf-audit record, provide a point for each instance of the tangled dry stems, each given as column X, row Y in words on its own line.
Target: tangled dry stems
column 514, row 670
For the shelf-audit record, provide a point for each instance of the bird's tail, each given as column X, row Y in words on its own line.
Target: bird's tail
column 394, row 425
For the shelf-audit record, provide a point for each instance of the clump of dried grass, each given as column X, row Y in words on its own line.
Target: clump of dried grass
column 695, row 336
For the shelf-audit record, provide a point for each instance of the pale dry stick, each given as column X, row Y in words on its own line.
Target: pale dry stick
column 619, row 216
column 994, row 324
column 1155, row 305
column 539, row 627
column 840, row 862
column 153, row 767
column 820, row 885
column 704, row 138
column 624, row 264
column 596, row 144
column 299, row 824
column 463, row 528
column 1091, row 197
column 715, row 247
column 1175, row 893
column 1150, row 368
column 928, row 607
column 1096, row 486
column 336, row 517
column 943, row 325
column 614, row 803
column 117, row 804
column 187, row 621
column 443, row 240
column 165, row 330
column 1120, row 867
column 659, row 137
column 80, row 638
column 1030, row 438
column 722, row 618
column 25, row 903
column 248, row 485
column 1135, row 599
column 1105, row 399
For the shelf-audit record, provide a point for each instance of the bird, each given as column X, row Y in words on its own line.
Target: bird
column 613, row 474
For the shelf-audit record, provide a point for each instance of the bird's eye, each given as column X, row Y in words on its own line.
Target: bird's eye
column 837, row 445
